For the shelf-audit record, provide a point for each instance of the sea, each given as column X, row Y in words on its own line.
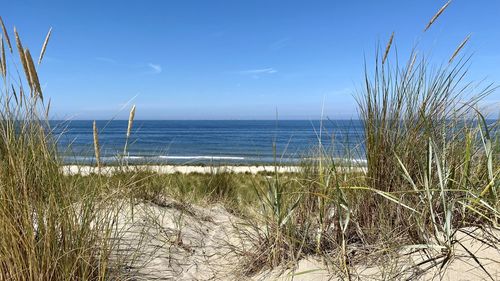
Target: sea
column 193, row 142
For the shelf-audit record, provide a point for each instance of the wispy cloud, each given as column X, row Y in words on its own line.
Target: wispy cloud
column 279, row 44
column 47, row 59
column 152, row 68
column 269, row 70
column 105, row 59
column 155, row 67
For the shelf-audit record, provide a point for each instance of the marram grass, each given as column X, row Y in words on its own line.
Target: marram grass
column 432, row 169
column 48, row 230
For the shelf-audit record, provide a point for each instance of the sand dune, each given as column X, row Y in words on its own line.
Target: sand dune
column 168, row 240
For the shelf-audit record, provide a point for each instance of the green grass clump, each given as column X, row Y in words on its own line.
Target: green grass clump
column 48, row 231
column 432, row 169
column 220, row 186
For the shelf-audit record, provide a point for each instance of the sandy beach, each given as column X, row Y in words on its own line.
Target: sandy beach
column 172, row 169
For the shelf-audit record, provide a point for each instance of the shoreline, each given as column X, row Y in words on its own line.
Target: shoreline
column 172, row 169
column 186, row 169
column 210, row 161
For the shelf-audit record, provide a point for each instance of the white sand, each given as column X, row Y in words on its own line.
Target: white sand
column 172, row 169
column 168, row 240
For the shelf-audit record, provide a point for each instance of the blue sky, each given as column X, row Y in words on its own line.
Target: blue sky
column 235, row 59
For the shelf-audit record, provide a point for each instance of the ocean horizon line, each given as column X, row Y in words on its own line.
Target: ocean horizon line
column 147, row 119
column 215, row 120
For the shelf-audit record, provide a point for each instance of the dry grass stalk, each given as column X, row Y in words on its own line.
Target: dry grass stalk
column 413, row 60
column 33, row 76
column 14, row 93
column 459, row 48
column 411, row 65
column 44, row 47
column 6, row 35
column 3, row 64
column 21, row 94
column 48, row 229
column 434, row 18
column 29, row 77
column 388, row 48
column 130, row 120
column 129, row 128
column 22, row 56
column 96, row 145
column 47, row 110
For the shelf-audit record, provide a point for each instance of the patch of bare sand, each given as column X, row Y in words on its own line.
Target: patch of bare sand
column 167, row 240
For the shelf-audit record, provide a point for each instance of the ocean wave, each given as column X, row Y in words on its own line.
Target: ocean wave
column 204, row 159
column 200, row 157
column 133, row 157
column 166, row 157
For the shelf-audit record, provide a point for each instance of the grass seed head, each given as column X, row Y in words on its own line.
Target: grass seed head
column 3, row 64
column 436, row 16
column 44, row 47
column 22, row 56
column 130, row 120
column 6, row 34
column 388, row 48
column 459, row 48
column 33, row 76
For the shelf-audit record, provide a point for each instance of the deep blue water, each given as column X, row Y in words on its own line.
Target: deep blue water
column 187, row 142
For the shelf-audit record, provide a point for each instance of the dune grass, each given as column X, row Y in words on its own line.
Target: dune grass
column 51, row 227
column 432, row 169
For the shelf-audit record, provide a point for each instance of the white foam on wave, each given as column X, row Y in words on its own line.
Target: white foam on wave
column 134, row 157
column 163, row 157
column 201, row 157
